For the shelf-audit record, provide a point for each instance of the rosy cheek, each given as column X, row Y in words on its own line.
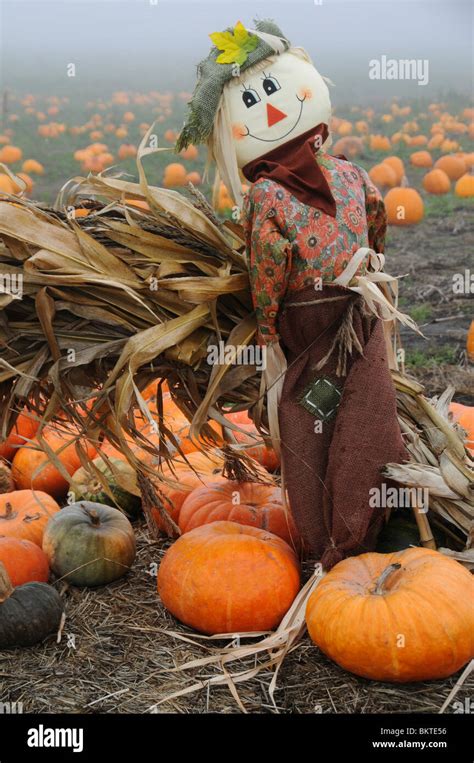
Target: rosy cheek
column 305, row 93
column 239, row 131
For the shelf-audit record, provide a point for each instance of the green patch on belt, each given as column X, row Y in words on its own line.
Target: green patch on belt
column 321, row 398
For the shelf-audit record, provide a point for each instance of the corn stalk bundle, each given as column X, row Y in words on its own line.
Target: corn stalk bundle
column 135, row 291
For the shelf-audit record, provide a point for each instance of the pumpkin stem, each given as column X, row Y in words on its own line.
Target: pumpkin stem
column 94, row 517
column 9, row 513
column 378, row 589
column 6, row 588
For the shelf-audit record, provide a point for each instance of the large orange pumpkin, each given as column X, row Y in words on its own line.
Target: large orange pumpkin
column 226, row 578
column 25, row 513
column 407, row 616
column 404, row 206
column 24, row 561
column 33, row 470
column 24, row 429
column 250, row 503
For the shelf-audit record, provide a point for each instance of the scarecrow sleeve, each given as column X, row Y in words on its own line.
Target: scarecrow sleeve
column 269, row 256
column 376, row 214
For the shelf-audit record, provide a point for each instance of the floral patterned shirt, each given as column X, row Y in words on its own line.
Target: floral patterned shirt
column 289, row 244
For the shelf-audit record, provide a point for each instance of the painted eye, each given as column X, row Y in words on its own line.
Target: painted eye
column 270, row 85
column 250, row 97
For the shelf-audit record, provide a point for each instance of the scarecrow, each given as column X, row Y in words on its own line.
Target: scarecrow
column 314, row 227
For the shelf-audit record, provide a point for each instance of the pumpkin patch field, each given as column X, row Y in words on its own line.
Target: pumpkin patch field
column 150, row 561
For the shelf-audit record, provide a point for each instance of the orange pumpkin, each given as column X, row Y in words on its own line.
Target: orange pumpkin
column 175, row 175
column 379, row 143
column 6, row 184
column 349, row 146
column 453, row 166
column 470, row 342
column 194, row 178
column 226, row 578
column 397, row 166
column 400, row 617
column 31, row 166
column 249, row 503
column 24, row 561
column 464, row 416
column 383, row 176
column 33, row 470
column 404, row 206
column 465, row 186
column 24, row 429
column 25, row 513
column 190, row 153
column 258, row 450
column 421, row 159
column 10, row 154
column 436, row 182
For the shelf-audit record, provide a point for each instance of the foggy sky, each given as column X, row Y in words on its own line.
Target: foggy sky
column 143, row 44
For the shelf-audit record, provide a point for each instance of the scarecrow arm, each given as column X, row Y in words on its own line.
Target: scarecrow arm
column 269, row 257
column 376, row 214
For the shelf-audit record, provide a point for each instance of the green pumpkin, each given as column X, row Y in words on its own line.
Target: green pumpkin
column 28, row 613
column 400, row 532
column 87, row 487
column 89, row 544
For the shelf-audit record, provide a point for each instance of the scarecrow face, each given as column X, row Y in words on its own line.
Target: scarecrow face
column 275, row 105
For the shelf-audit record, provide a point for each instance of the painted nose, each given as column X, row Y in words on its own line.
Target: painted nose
column 274, row 115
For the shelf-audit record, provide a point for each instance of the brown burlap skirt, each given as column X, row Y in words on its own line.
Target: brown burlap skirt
column 337, row 432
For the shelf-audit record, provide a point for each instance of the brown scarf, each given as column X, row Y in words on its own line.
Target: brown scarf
column 294, row 167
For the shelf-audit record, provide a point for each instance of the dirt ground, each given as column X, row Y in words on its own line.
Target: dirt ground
column 115, row 654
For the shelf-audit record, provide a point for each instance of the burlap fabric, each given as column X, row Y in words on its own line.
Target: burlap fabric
column 331, row 465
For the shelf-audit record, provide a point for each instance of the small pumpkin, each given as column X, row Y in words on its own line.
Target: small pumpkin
column 470, row 342
column 32, row 468
column 118, row 475
column 226, row 577
column 249, row 503
column 404, row 206
column 24, row 561
column 28, row 613
column 24, row 429
column 453, row 166
column 383, row 176
column 399, row 617
column 397, row 166
column 421, row 159
column 464, row 416
column 465, row 186
column 89, row 544
column 251, row 437
column 25, row 513
column 437, row 182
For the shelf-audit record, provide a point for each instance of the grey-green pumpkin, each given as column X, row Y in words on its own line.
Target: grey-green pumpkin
column 117, row 474
column 89, row 544
column 28, row 613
